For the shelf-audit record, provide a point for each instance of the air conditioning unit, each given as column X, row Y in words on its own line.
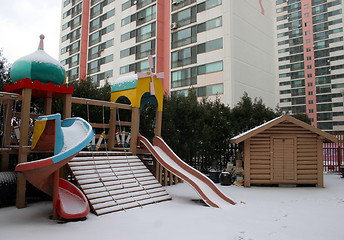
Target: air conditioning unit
column 175, row 2
column 174, row 25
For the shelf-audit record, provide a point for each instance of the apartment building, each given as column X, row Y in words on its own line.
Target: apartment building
column 311, row 60
column 218, row 48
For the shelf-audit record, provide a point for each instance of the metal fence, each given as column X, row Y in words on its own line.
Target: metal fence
column 334, row 153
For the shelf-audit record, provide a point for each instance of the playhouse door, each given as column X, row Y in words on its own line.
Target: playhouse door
column 283, row 162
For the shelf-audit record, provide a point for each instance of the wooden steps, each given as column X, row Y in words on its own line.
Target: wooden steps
column 115, row 183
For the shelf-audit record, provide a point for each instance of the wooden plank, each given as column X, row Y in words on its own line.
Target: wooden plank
column 307, row 177
column 320, row 174
column 260, row 171
column 260, row 176
column 304, row 167
column 260, row 181
column 260, row 162
column 260, row 166
column 255, row 153
column 100, row 103
column 307, row 158
column 307, row 181
column 247, row 162
column 307, row 172
column 307, row 154
column 262, row 157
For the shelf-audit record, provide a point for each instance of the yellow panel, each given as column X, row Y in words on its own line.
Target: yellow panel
column 142, row 87
column 37, row 132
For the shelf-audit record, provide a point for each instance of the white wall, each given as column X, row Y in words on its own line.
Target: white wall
column 250, row 56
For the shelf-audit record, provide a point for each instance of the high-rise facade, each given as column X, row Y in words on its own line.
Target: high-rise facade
column 218, row 48
column 311, row 60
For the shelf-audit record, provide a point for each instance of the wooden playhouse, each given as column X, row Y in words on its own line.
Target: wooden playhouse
column 284, row 150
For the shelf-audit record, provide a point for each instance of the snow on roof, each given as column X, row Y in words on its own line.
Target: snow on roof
column 125, row 82
column 40, row 56
column 255, row 128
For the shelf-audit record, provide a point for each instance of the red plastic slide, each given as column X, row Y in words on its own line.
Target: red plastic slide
column 208, row 191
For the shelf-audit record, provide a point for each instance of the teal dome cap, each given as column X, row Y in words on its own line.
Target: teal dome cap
column 38, row 66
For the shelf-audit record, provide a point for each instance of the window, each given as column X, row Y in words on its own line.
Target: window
column 143, row 3
column 326, row 107
column 310, row 101
column 213, row 23
column 73, row 74
column 298, row 100
column 311, row 110
column 97, row 23
column 308, row 49
column 306, row 15
column 309, row 58
column 185, row 17
column 298, row 83
column 298, row 92
column 323, row 89
column 310, row 93
column 95, row 65
column 184, row 37
column 142, row 66
column 309, row 66
column 307, row 32
column 306, row 6
column 284, row 83
column 184, row 77
column 184, row 57
column 182, row 4
column 128, row 4
column 308, row 41
column 309, row 75
column 101, row 76
column 98, row 9
column 210, row 90
column 145, row 49
column 284, row 92
column 284, row 100
column 145, row 32
column 324, row 98
column 96, row 51
column 209, row 46
column 96, row 37
column 146, row 15
column 280, row 2
column 310, row 84
column 208, row 4
column 210, row 67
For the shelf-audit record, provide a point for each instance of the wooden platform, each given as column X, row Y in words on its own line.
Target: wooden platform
column 115, row 183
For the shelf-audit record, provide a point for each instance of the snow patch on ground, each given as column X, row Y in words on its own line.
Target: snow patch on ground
column 262, row 213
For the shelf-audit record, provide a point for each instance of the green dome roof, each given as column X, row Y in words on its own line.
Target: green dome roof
column 38, row 66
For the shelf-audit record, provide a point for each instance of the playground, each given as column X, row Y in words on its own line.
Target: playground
column 106, row 180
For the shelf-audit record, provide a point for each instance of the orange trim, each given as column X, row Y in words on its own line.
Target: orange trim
column 163, row 42
column 84, row 39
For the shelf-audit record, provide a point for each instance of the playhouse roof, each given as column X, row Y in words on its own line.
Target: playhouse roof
column 38, row 66
column 250, row 133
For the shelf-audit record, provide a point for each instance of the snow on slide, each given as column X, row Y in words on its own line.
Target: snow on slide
column 69, row 137
column 208, row 191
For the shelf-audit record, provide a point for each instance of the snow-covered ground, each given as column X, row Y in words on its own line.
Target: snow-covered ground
column 261, row 213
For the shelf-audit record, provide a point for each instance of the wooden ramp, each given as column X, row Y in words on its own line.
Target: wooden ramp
column 115, row 183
